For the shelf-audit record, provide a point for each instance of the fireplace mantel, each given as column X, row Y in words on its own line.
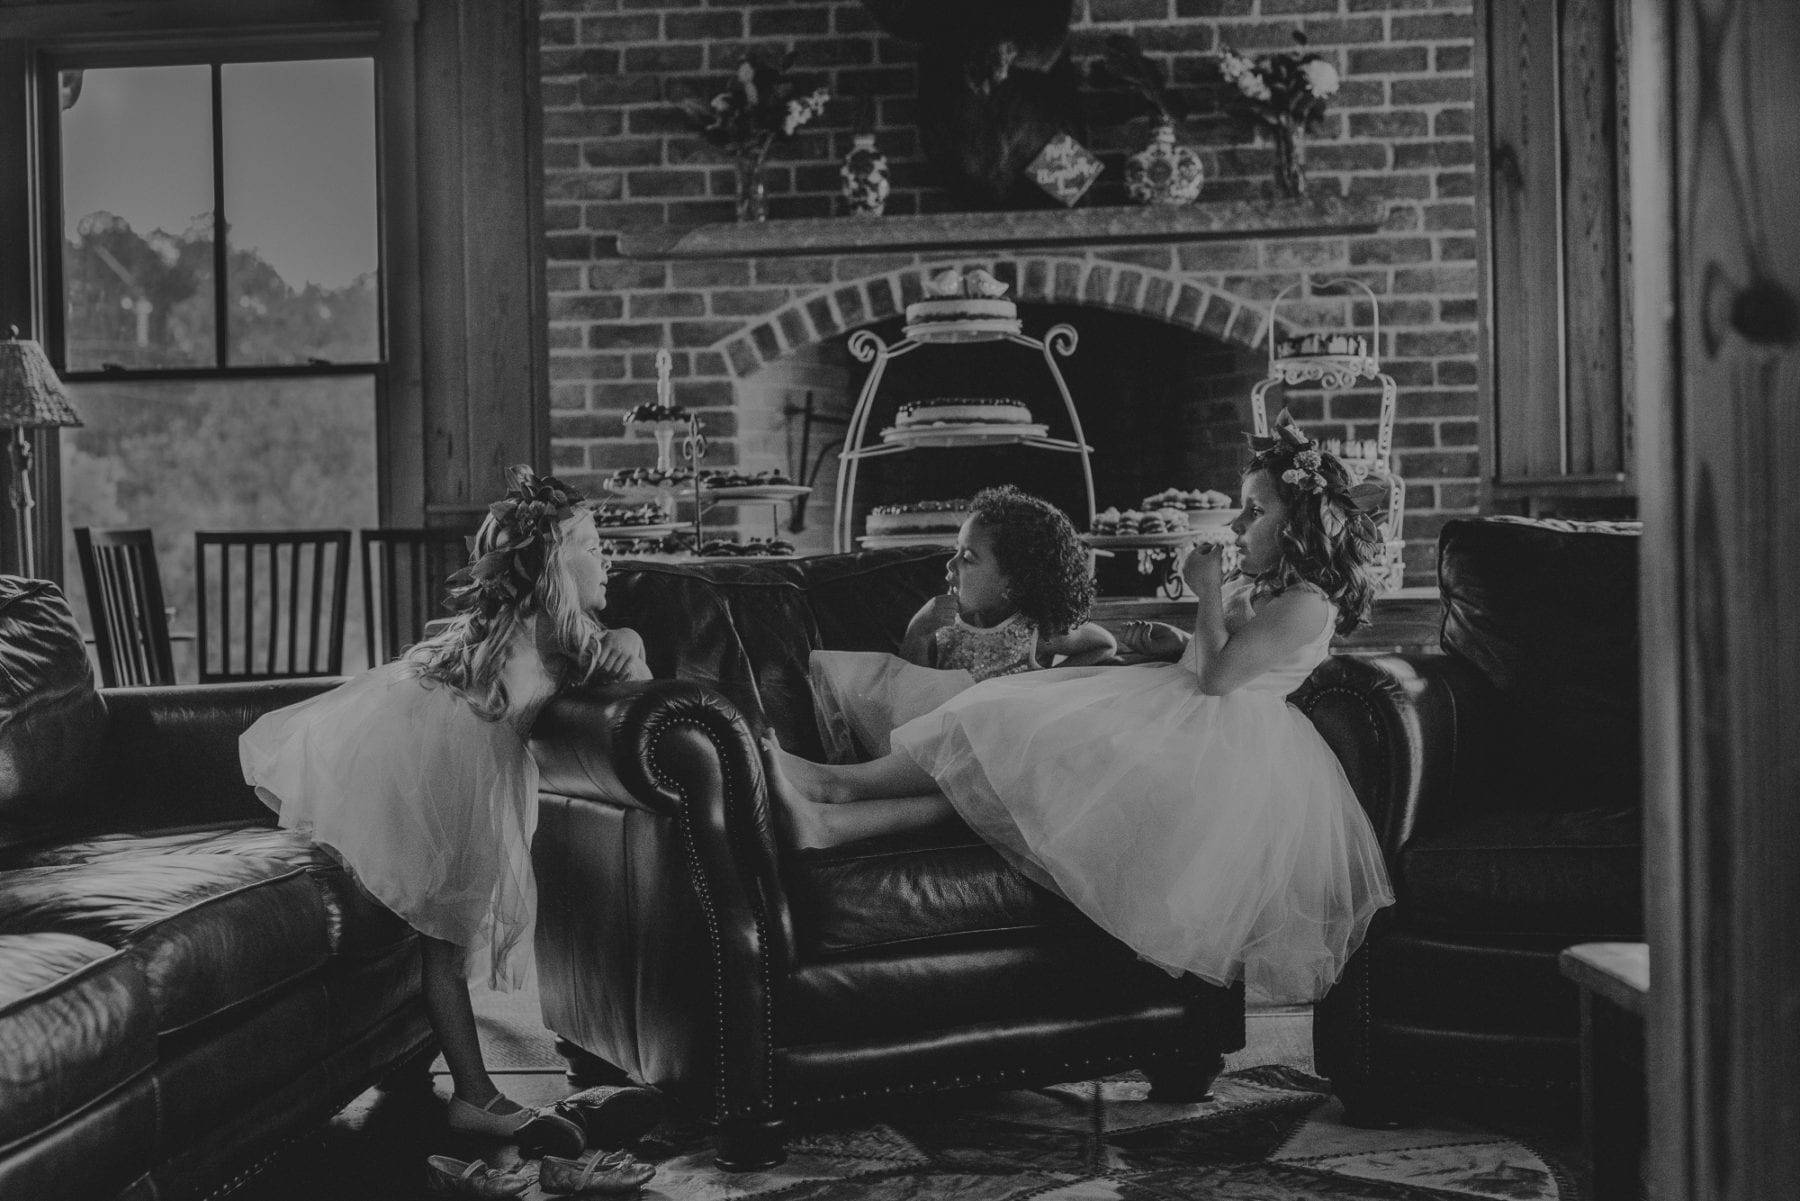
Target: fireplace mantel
column 1217, row 221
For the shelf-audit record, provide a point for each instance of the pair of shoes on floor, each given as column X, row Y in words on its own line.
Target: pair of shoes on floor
column 611, row 1115
column 606, row 1173
column 446, row 1177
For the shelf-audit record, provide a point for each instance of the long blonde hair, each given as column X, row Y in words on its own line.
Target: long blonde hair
column 522, row 541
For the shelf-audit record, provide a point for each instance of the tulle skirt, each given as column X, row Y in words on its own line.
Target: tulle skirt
column 428, row 806
column 861, row 697
column 1213, row 835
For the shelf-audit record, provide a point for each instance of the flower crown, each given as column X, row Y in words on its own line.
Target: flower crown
column 1305, row 468
column 522, row 527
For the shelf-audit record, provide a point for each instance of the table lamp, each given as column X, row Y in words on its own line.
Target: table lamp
column 31, row 397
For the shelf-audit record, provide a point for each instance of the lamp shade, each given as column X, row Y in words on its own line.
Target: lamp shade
column 30, row 394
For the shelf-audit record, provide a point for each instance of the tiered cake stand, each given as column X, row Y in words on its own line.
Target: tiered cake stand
column 1341, row 362
column 1058, row 340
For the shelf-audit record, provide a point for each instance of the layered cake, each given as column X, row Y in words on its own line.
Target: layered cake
column 972, row 302
column 962, row 410
column 929, row 520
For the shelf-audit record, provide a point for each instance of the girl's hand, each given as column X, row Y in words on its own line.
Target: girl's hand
column 1203, row 569
column 622, row 656
column 1155, row 639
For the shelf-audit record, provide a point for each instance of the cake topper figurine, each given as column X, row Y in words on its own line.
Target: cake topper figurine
column 665, row 388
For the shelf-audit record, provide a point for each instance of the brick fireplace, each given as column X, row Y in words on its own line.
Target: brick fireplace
column 757, row 332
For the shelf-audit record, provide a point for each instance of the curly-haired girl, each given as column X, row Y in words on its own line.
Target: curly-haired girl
column 1018, row 596
column 1185, row 807
column 415, row 774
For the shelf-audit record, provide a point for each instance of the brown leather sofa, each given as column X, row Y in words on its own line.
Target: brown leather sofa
column 183, row 989
column 682, row 944
column 1512, row 761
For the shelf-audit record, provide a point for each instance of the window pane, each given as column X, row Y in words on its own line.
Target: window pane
column 239, row 455
column 299, row 158
column 137, row 216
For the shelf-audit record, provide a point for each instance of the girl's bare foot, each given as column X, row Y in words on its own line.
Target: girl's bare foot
column 805, row 818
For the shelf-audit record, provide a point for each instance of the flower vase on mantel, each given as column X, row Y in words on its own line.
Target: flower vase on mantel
column 752, row 189
column 1165, row 171
column 1290, row 160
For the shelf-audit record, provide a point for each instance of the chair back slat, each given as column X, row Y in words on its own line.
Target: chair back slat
column 403, row 573
column 288, row 624
column 125, row 606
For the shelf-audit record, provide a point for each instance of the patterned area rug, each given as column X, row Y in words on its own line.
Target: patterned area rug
column 1270, row 1134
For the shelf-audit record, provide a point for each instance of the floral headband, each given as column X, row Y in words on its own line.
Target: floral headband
column 1305, row 470
column 523, row 524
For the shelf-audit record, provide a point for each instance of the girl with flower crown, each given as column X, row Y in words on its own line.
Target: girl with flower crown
column 415, row 774
column 1184, row 806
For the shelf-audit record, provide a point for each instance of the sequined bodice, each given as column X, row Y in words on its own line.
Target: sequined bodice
column 1002, row 650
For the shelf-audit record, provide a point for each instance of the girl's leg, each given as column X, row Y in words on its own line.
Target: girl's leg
column 891, row 776
column 446, row 995
column 815, row 823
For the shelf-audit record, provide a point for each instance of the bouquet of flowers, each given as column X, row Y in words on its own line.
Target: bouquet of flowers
column 762, row 105
column 1287, row 91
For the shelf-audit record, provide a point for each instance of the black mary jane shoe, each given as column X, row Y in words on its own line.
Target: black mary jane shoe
column 612, row 1115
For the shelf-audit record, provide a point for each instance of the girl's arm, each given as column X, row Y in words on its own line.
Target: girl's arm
column 1281, row 626
column 933, row 615
column 1084, row 645
column 621, row 657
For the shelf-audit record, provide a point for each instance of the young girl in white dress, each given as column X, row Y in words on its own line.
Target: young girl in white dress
column 415, row 774
column 1018, row 592
column 1185, row 807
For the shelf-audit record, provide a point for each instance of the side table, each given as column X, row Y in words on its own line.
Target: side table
column 1614, row 979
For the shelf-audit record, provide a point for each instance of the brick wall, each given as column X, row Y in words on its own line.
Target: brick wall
column 618, row 152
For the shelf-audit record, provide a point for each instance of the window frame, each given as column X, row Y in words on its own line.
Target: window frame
column 76, row 54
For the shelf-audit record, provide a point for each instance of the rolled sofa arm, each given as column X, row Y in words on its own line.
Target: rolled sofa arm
column 1410, row 730
column 677, row 751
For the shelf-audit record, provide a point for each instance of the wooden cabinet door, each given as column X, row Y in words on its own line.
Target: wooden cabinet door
column 1550, row 133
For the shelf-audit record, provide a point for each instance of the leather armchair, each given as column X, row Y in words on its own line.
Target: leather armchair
column 1503, row 779
column 183, row 988
column 681, row 944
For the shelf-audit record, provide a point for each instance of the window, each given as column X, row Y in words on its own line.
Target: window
column 220, row 276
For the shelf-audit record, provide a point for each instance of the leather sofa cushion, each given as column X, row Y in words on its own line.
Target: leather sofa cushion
column 358, row 926
column 51, row 719
column 862, row 602
column 739, row 627
column 75, row 1023
column 1547, row 612
column 209, row 932
column 881, row 892
column 1576, row 873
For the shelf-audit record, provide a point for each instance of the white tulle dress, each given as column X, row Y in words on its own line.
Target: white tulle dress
column 1215, row 835
column 427, row 805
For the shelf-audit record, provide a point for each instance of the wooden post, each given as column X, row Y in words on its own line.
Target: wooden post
column 1716, row 257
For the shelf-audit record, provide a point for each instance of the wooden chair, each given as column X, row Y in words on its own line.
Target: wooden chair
column 271, row 603
column 403, row 572
column 125, row 606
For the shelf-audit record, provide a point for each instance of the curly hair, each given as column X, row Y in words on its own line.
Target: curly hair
column 1042, row 558
column 1328, row 541
column 470, row 654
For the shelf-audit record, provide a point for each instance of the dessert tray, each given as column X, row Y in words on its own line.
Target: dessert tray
column 1143, row 541
column 659, row 529
column 974, row 329
column 755, row 491
column 922, row 538
column 963, row 434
